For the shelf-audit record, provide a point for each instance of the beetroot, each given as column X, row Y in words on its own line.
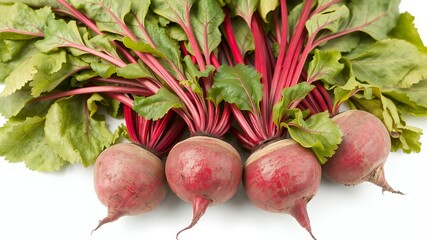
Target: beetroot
column 281, row 178
column 363, row 151
column 129, row 180
column 203, row 171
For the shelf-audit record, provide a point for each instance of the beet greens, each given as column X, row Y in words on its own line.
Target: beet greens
column 309, row 59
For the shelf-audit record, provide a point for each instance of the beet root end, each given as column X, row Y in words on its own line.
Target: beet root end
column 111, row 217
column 377, row 177
column 200, row 204
column 299, row 212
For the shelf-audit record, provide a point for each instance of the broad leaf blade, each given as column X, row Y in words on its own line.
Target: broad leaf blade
column 108, row 14
column 245, row 9
column 332, row 18
column 20, row 22
column 318, row 133
column 239, row 85
column 324, row 66
column 60, row 34
column 405, row 29
column 24, row 141
column 24, row 71
column 173, row 10
column 290, row 96
column 206, row 19
column 157, row 105
column 386, row 63
column 375, row 18
column 76, row 136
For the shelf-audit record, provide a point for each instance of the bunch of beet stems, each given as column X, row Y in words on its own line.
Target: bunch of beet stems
column 157, row 136
column 257, row 131
column 203, row 169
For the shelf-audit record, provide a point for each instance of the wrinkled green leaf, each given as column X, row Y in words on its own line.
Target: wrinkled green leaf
column 206, row 19
column 376, row 18
column 104, row 70
column 244, row 9
column 267, row 6
column 10, row 48
column 238, row 84
column 60, row 34
column 405, row 29
column 51, row 74
column 12, row 104
column 142, row 47
column 105, row 13
column 168, row 46
column 76, row 136
column 324, row 66
column 403, row 137
column 24, row 71
column 290, row 96
column 386, row 63
column 410, row 100
column 157, row 105
column 134, row 70
column 318, row 133
column 24, row 141
column 193, row 75
column 344, row 44
column 244, row 37
column 21, row 22
column 173, row 10
column 331, row 18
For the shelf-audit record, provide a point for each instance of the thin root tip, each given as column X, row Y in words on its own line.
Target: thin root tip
column 393, row 191
column 200, row 204
column 112, row 216
column 311, row 234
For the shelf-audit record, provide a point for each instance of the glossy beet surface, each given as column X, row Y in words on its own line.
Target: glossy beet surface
column 282, row 177
column 203, row 171
column 128, row 180
column 363, row 151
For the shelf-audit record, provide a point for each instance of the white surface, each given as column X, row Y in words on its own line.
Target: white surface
column 63, row 205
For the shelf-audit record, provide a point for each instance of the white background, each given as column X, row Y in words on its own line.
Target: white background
column 64, row 206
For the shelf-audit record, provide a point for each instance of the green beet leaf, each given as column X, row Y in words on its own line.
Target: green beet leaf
column 12, row 104
column 319, row 133
column 75, row 135
column 239, row 85
column 50, row 74
column 410, row 100
column 10, row 48
column 403, row 137
column 142, row 47
column 245, row 9
column 267, row 6
column 173, row 10
column 193, row 75
column 290, row 96
column 20, row 22
column 405, row 29
column 376, row 18
column 108, row 14
column 104, row 70
column 61, row 34
column 24, row 141
column 325, row 66
column 206, row 19
column 386, row 63
column 244, row 37
column 134, row 70
column 25, row 68
column 157, row 105
column 332, row 18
